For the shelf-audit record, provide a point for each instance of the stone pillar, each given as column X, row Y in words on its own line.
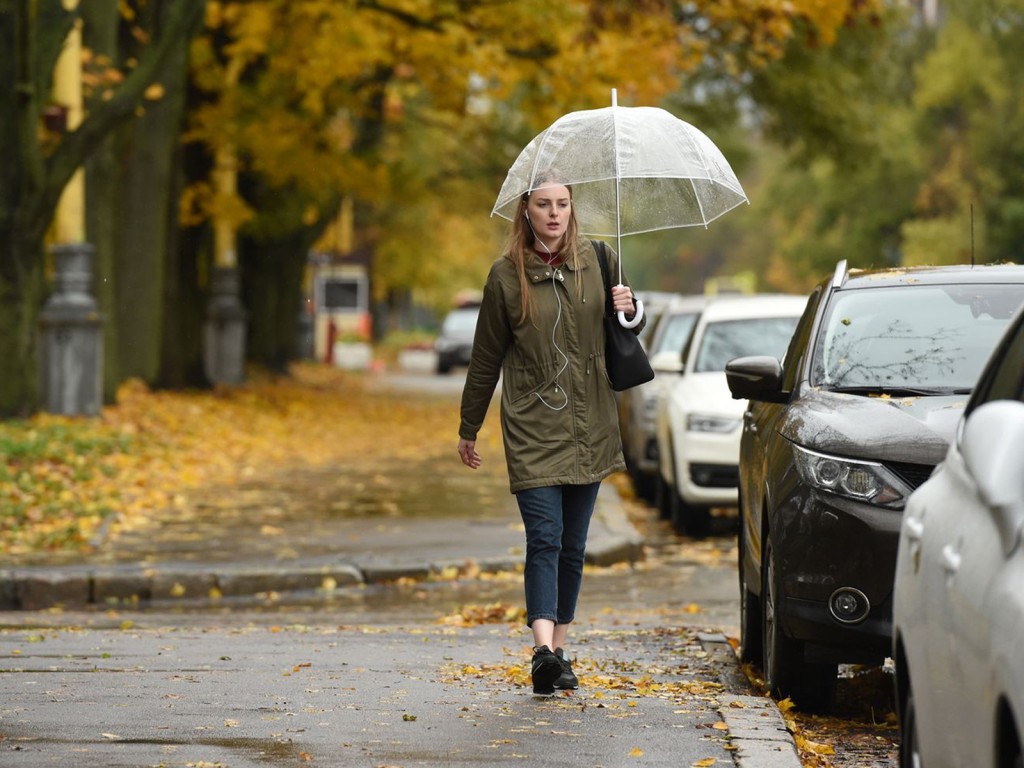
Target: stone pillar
column 305, row 341
column 224, row 331
column 71, row 337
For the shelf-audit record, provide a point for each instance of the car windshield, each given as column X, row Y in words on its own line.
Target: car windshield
column 728, row 339
column 459, row 322
column 917, row 338
column 676, row 332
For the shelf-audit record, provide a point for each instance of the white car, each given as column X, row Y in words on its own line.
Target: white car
column 958, row 605
column 698, row 422
column 638, row 406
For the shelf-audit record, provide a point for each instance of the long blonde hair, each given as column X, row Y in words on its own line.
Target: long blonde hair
column 519, row 246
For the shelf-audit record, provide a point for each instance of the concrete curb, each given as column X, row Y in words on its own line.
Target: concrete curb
column 756, row 726
column 759, row 732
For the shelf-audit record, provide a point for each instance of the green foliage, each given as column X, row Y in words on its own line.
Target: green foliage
column 58, row 478
column 900, row 145
column 20, row 442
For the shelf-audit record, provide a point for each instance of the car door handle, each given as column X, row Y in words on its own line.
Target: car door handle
column 950, row 559
column 914, row 527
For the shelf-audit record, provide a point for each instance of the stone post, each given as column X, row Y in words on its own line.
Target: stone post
column 224, row 331
column 71, row 337
column 305, row 342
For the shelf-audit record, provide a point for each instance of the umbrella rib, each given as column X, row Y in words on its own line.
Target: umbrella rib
column 693, row 186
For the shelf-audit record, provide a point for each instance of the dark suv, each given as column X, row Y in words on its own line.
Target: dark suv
column 834, row 440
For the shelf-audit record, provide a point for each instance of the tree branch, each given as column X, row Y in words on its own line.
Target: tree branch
column 184, row 19
column 52, row 24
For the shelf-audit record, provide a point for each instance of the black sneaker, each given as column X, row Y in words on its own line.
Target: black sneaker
column 567, row 681
column 545, row 669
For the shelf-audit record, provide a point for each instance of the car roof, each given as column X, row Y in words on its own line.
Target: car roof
column 934, row 275
column 753, row 305
column 657, row 299
column 686, row 304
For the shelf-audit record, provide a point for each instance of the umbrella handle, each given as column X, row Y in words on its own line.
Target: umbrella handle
column 636, row 318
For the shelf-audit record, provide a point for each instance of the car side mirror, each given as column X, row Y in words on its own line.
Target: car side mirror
column 757, row 378
column 667, row 362
column 990, row 445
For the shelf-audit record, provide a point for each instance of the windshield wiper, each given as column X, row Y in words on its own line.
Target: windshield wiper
column 901, row 391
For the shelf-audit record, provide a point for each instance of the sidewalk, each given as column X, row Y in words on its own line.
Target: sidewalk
column 239, row 547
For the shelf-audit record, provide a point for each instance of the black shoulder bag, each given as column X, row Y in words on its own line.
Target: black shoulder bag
column 624, row 356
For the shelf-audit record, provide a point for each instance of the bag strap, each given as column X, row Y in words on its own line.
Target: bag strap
column 602, row 259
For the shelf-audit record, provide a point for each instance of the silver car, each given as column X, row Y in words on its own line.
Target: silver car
column 638, row 406
column 958, row 613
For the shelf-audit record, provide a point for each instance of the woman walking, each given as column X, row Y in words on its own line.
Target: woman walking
column 541, row 331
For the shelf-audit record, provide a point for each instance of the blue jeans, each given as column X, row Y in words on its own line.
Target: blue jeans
column 556, row 519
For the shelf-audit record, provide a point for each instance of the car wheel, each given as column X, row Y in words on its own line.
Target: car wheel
column 751, row 645
column 687, row 518
column 663, row 493
column 810, row 686
column 443, row 367
column 645, row 488
column 910, row 748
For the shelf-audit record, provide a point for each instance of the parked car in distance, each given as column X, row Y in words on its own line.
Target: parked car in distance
column 454, row 344
column 638, row 406
column 958, row 610
column 834, row 442
column 654, row 303
column 698, row 422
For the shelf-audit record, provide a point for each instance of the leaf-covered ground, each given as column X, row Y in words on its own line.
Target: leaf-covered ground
column 63, row 480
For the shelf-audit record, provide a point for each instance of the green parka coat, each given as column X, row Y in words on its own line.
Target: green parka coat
column 559, row 415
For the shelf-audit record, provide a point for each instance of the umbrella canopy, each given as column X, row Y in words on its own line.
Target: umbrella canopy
column 632, row 170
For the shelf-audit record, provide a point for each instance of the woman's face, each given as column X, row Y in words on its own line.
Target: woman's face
column 547, row 211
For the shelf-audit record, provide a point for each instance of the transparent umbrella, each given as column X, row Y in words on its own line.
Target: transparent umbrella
column 632, row 170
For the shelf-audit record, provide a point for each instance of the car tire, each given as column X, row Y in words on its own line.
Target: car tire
column 645, row 488
column 443, row 367
column 663, row 493
column 810, row 686
column 689, row 519
column 751, row 643
column 910, row 746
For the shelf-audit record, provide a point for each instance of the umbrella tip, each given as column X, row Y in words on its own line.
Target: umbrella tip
column 615, row 97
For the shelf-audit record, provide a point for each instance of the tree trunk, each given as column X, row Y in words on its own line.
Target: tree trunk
column 101, row 20
column 272, row 274
column 189, row 262
column 148, row 215
column 21, row 297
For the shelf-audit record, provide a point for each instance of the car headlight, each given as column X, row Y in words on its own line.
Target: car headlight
column 701, row 422
column 860, row 480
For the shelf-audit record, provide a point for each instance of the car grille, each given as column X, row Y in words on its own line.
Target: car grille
column 912, row 474
column 715, row 475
